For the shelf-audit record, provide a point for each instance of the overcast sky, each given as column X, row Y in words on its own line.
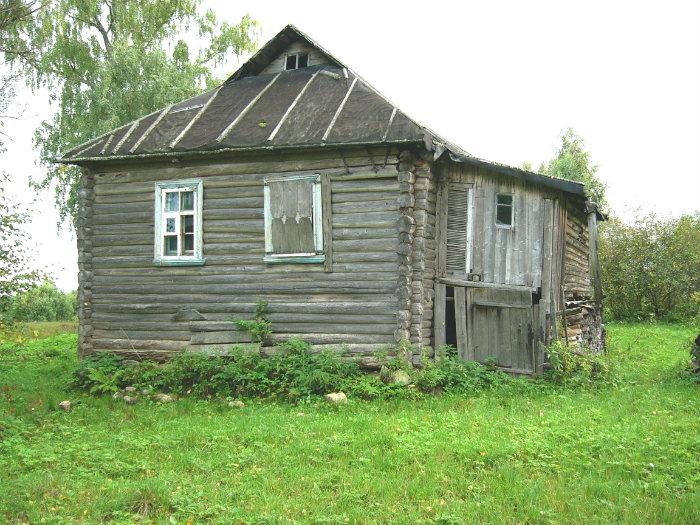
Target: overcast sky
column 501, row 79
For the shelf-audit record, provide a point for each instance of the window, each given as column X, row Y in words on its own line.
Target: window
column 504, row 210
column 297, row 61
column 293, row 219
column 178, row 227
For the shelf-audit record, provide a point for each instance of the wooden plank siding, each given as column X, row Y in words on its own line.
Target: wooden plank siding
column 136, row 307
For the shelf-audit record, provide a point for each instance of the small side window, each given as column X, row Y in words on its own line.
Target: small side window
column 178, row 223
column 296, row 61
column 504, row 210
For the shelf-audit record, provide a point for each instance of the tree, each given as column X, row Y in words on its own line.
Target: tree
column 649, row 268
column 573, row 162
column 108, row 62
column 16, row 273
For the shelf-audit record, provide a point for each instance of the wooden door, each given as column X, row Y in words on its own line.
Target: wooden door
column 502, row 329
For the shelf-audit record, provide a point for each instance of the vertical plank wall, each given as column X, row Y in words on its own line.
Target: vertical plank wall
column 136, row 307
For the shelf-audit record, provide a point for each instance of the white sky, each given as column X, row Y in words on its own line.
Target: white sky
column 501, row 79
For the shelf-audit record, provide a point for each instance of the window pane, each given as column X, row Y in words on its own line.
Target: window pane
column 187, row 200
column 504, row 215
column 303, row 60
column 504, row 199
column 189, row 244
column 291, row 62
column 171, row 201
column 170, row 245
column 170, row 225
column 188, row 223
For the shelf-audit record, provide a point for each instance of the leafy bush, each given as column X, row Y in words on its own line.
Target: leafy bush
column 260, row 327
column 292, row 373
column 41, row 303
column 649, row 269
column 571, row 364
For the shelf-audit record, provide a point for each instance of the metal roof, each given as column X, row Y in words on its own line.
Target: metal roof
column 326, row 105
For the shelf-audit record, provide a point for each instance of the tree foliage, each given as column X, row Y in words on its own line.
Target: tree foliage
column 573, row 162
column 16, row 273
column 108, row 62
column 44, row 302
column 651, row 268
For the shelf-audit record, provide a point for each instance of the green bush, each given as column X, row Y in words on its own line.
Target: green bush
column 571, row 364
column 292, row 373
column 41, row 303
column 649, row 269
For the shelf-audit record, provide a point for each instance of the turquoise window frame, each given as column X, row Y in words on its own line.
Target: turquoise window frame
column 196, row 259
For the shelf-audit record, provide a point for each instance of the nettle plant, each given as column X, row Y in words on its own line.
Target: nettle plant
column 259, row 327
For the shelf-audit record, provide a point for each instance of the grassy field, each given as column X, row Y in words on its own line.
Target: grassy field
column 627, row 452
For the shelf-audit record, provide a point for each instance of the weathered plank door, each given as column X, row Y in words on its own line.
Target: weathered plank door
column 502, row 328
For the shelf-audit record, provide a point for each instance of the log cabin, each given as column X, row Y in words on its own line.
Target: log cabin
column 295, row 182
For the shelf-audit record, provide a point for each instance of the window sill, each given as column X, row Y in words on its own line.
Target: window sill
column 179, row 262
column 301, row 259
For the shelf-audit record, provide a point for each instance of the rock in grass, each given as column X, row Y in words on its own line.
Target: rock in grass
column 65, row 406
column 401, row 378
column 130, row 389
column 164, row 398
column 145, row 392
column 337, row 398
column 236, row 403
column 117, row 395
column 129, row 400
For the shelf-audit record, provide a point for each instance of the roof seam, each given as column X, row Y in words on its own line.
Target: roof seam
column 246, row 109
column 292, row 106
column 337, row 111
column 150, row 128
column 126, row 136
column 388, row 126
column 204, row 107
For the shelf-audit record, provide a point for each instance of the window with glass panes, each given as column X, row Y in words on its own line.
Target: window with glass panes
column 178, row 221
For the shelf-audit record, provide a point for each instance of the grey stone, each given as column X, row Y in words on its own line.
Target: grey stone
column 65, row 406
column 130, row 389
column 236, row 403
column 164, row 398
column 117, row 395
column 129, row 400
column 337, row 398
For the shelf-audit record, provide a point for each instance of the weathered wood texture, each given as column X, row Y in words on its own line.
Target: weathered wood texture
column 581, row 287
column 85, row 239
column 130, row 305
column 499, row 255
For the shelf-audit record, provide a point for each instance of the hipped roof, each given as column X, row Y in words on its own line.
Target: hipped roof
column 320, row 106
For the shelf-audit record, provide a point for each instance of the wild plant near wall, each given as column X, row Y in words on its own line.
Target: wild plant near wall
column 260, row 327
column 572, row 364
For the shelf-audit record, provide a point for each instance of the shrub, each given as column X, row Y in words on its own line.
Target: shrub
column 260, row 327
column 571, row 364
column 41, row 303
column 649, row 269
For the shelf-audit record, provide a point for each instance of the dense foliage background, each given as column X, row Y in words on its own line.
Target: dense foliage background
column 44, row 302
column 651, row 268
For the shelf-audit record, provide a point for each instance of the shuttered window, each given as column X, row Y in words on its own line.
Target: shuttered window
column 459, row 219
column 178, row 223
column 293, row 219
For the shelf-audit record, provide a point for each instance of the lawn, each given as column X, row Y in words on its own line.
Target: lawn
column 627, row 452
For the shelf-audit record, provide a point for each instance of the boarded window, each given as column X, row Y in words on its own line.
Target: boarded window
column 178, row 224
column 459, row 210
column 504, row 210
column 293, row 219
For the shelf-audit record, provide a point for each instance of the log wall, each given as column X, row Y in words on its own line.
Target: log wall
column 130, row 305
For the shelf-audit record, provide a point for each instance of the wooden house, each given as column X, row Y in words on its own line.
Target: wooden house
column 297, row 183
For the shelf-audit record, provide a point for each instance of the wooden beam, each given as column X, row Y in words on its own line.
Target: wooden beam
column 461, row 322
column 439, row 316
column 452, row 281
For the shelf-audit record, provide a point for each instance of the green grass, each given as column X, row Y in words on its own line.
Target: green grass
column 627, row 452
